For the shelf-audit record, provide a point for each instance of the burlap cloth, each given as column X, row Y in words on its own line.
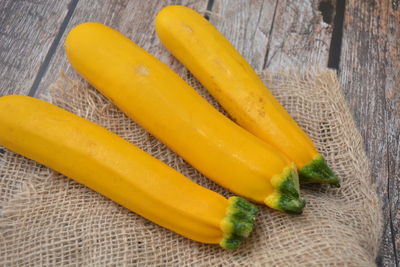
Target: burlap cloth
column 48, row 219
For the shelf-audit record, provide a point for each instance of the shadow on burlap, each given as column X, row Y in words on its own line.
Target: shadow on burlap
column 48, row 219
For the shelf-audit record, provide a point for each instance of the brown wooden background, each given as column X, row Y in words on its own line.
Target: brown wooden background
column 359, row 38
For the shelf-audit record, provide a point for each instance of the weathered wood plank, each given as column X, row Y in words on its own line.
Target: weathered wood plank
column 247, row 25
column 392, row 108
column 27, row 30
column 275, row 34
column 133, row 18
column 299, row 37
column 369, row 71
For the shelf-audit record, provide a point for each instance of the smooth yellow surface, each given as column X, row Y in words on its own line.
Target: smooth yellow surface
column 232, row 81
column 108, row 164
column 160, row 101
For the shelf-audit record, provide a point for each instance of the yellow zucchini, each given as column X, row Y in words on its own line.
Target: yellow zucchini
column 160, row 101
column 236, row 86
column 113, row 167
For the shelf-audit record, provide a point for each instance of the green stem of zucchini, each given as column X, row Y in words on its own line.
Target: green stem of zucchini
column 287, row 195
column 318, row 172
column 238, row 223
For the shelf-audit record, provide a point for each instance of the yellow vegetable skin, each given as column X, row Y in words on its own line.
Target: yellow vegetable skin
column 236, row 86
column 112, row 166
column 160, row 101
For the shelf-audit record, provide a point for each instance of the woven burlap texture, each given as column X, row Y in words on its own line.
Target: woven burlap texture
column 48, row 219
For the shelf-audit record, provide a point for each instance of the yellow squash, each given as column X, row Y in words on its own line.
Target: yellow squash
column 160, row 101
column 236, row 86
column 112, row 166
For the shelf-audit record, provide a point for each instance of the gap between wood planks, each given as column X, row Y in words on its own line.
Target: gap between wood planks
column 44, row 66
column 270, row 33
column 337, row 34
column 210, row 5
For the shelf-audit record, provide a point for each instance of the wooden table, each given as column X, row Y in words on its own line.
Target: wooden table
column 358, row 38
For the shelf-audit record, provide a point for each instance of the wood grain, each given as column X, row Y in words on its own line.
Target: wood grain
column 274, row 34
column 369, row 71
column 247, row 25
column 134, row 19
column 27, row 30
column 392, row 109
column 299, row 37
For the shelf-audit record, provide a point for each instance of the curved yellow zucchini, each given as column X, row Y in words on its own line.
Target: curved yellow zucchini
column 113, row 167
column 236, row 86
column 160, row 101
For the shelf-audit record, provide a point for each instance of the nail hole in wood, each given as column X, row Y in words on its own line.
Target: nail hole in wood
column 326, row 8
column 395, row 4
